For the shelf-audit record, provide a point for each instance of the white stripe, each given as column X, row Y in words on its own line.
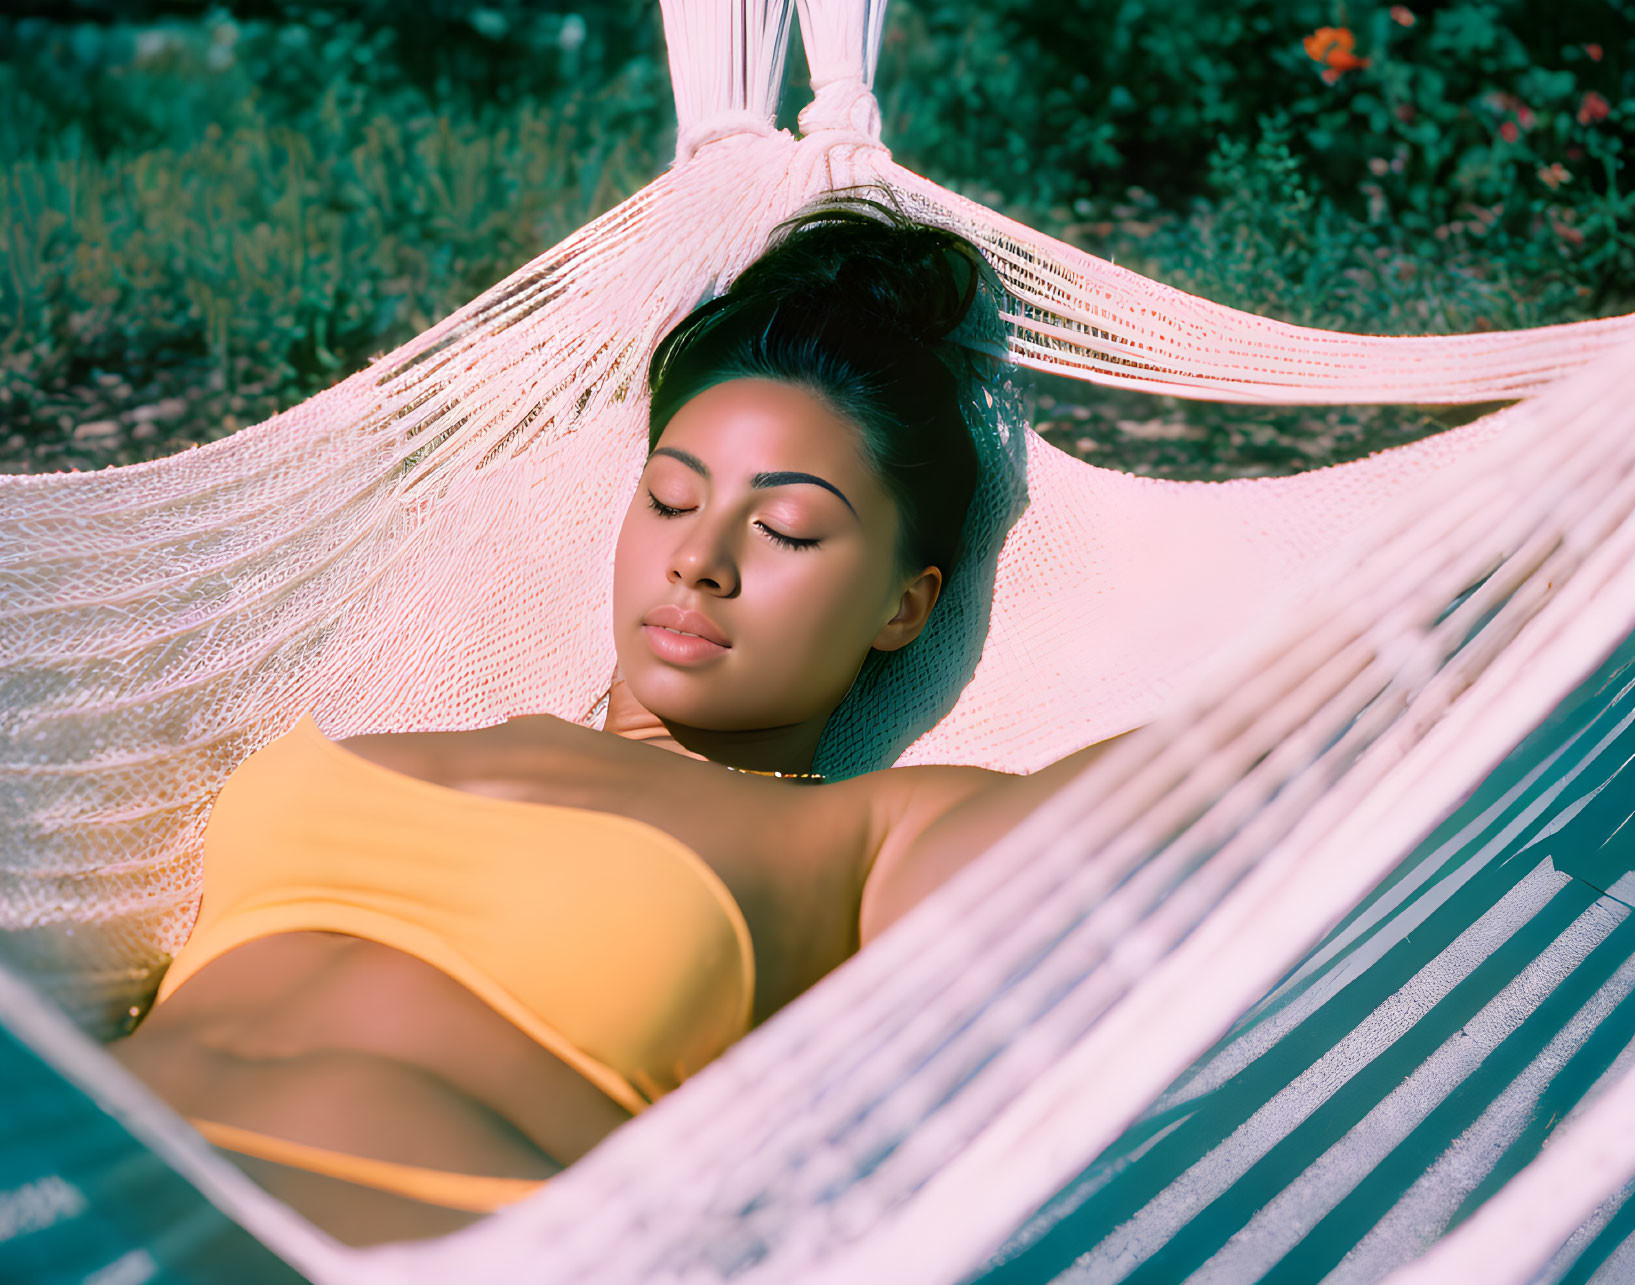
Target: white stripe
column 1286, row 1219
column 1294, row 1211
column 1619, row 1267
column 1341, row 971
column 1427, row 869
column 1223, row 1165
column 1423, row 1211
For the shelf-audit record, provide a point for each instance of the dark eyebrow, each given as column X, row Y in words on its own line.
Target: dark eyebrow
column 686, row 457
column 760, row 481
column 789, row 479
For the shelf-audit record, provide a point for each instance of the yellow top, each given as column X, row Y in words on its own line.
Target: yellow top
column 606, row 940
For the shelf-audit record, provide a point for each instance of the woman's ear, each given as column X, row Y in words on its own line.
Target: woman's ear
column 913, row 610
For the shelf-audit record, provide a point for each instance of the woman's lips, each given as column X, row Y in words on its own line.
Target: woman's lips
column 680, row 648
column 683, row 637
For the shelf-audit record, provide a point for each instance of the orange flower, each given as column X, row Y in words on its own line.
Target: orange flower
column 1594, row 51
column 1593, row 108
column 1333, row 47
column 1509, row 132
column 1402, row 15
column 1553, row 176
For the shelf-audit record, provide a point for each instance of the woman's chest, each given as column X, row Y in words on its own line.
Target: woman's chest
column 608, row 825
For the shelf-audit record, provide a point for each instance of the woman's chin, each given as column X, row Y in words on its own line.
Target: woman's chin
column 710, row 697
column 678, row 698
column 695, row 706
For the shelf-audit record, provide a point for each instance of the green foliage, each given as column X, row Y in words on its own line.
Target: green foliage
column 204, row 219
column 1264, row 232
column 226, row 253
column 1396, row 170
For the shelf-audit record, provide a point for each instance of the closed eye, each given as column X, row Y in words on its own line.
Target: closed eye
column 660, row 507
column 777, row 537
column 786, row 541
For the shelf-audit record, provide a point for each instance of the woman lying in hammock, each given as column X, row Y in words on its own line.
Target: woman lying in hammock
column 431, row 969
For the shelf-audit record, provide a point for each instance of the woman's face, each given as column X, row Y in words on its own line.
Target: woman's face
column 757, row 563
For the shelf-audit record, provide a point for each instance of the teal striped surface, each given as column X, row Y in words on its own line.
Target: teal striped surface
column 1418, row 1058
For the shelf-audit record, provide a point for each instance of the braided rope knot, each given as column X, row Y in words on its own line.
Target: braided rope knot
column 721, row 125
column 844, row 106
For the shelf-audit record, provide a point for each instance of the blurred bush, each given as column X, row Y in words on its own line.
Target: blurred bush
column 1491, row 134
column 208, row 216
column 207, row 221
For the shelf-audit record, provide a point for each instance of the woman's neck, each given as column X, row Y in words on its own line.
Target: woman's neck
column 781, row 749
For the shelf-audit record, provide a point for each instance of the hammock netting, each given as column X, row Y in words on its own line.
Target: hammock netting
column 1324, row 668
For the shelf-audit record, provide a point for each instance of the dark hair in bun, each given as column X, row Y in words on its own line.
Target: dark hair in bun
column 857, row 303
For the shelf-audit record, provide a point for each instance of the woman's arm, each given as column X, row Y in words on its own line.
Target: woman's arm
column 933, row 820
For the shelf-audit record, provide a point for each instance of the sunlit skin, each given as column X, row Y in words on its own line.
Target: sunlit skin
column 758, row 511
column 347, row 1043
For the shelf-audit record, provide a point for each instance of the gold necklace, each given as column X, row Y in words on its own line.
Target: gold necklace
column 661, row 732
column 782, row 776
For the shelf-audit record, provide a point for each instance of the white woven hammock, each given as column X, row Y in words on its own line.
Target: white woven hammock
column 428, row 545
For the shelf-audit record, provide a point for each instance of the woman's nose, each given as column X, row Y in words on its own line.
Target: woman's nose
column 703, row 562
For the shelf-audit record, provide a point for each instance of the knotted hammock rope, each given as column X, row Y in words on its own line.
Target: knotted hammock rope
column 428, row 545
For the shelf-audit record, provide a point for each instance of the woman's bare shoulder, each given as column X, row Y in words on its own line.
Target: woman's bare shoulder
column 895, row 806
column 932, row 821
column 902, row 796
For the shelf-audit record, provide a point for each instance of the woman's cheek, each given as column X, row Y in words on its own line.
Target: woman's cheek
column 836, row 605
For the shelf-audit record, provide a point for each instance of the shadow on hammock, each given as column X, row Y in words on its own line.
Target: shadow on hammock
column 901, row 695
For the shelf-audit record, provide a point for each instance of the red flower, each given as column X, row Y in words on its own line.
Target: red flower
column 1594, row 51
column 1509, row 132
column 1333, row 47
column 1520, row 111
column 1402, row 15
column 1593, row 108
